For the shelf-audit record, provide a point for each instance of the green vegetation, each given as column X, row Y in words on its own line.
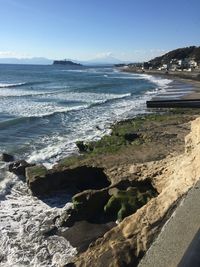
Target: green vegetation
column 126, row 202
column 70, row 161
column 111, row 205
column 36, row 171
column 125, row 133
column 131, row 133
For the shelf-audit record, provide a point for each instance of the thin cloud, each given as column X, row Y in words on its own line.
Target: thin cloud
column 104, row 54
column 10, row 54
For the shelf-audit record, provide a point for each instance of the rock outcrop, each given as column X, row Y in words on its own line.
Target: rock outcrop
column 125, row 244
column 42, row 181
column 111, row 203
column 19, row 167
column 6, row 157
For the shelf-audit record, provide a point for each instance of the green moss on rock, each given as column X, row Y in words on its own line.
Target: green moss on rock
column 125, row 202
column 36, row 171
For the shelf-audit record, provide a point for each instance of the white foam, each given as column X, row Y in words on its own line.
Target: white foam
column 156, row 80
column 23, row 221
column 6, row 85
column 24, row 108
column 32, row 108
column 8, row 92
column 84, row 128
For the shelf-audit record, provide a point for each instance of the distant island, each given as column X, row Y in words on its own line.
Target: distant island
column 66, row 62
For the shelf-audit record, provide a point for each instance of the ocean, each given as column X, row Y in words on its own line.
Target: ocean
column 44, row 110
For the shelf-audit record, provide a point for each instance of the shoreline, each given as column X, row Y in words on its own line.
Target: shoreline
column 186, row 78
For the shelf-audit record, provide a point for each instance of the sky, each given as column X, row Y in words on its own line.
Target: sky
column 132, row 30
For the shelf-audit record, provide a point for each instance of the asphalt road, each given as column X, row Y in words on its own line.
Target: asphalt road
column 179, row 237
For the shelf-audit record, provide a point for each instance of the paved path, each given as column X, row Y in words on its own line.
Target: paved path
column 177, row 235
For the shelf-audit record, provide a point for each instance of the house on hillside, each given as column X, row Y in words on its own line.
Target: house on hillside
column 184, row 63
column 193, row 63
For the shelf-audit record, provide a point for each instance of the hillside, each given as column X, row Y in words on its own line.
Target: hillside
column 191, row 52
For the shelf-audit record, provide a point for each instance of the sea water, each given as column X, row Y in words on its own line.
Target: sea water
column 44, row 110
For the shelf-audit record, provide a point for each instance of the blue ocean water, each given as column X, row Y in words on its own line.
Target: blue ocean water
column 45, row 109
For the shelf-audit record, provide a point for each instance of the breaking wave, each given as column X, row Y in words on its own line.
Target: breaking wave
column 7, row 85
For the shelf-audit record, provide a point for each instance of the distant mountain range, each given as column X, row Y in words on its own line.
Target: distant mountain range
column 109, row 60
column 104, row 60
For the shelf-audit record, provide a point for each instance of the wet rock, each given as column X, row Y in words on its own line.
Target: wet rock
column 84, row 147
column 36, row 178
column 81, row 146
column 6, row 157
column 19, row 167
column 43, row 181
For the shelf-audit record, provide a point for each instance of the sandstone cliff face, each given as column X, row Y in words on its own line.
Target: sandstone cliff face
column 172, row 177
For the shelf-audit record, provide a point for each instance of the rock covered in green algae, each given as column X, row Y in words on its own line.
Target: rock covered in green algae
column 35, row 177
column 125, row 202
column 112, row 203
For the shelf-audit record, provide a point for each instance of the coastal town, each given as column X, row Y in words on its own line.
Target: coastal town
column 179, row 60
column 185, row 64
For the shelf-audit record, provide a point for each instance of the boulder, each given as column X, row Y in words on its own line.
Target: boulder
column 6, row 157
column 85, row 147
column 89, row 204
column 81, row 146
column 36, row 177
column 19, row 167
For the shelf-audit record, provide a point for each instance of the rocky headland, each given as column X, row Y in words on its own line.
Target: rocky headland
column 124, row 187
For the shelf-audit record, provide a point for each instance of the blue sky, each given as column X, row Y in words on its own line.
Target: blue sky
column 85, row 29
